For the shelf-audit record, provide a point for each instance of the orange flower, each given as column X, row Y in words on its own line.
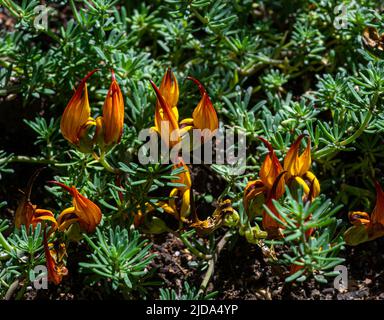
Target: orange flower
column 110, row 125
column 169, row 89
column 297, row 168
column 27, row 213
column 166, row 115
column 183, row 177
column 204, row 116
column 183, row 193
column 270, row 186
column 367, row 227
column 76, row 118
column 55, row 260
column 84, row 211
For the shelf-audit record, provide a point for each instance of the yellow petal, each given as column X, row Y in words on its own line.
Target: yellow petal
column 186, row 122
column 185, row 204
column 66, row 218
column 359, row 218
column 41, row 215
column 314, row 184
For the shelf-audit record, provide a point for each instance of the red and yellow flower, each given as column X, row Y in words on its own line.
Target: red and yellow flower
column 84, row 212
column 268, row 187
column 181, row 194
column 166, row 112
column 28, row 214
column 204, row 116
column 76, row 119
column 109, row 126
column 55, row 255
column 367, row 227
column 167, row 123
column 298, row 169
column 272, row 180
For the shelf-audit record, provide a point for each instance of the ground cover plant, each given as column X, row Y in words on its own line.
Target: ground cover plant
column 108, row 107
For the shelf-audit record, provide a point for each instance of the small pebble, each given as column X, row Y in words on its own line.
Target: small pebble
column 315, row 293
column 328, row 291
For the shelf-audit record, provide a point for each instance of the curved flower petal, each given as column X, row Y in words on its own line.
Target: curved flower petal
column 27, row 214
column 271, row 167
column 76, row 113
column 66, row 218
column 54, row 260
column 377, row 215
column 356, row 235
column 298, row 165
column 314, row 184
column 359, row 218
column 113, row 114
column 165, row 119
column 88, row 213
column 169, row 89
column 204, row 116
column 251, row 191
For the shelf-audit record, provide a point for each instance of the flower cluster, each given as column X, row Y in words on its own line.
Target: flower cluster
column 172, row 131
column 83, row 214
column 273, row 177
column 76, row 120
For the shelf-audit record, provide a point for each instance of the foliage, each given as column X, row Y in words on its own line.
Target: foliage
column 272, row 69
column 120, row 257
column 188, row 293
column 310, row 232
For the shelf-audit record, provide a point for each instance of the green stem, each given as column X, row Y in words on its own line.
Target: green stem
column 212, row 261
column 191, row 248
column 199, row 16
column 4, row 243
column 26, row 159
column 104, row 163
column 329, row 150
column 359, row 131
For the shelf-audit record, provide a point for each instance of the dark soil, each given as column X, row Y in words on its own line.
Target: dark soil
column 243, row 273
